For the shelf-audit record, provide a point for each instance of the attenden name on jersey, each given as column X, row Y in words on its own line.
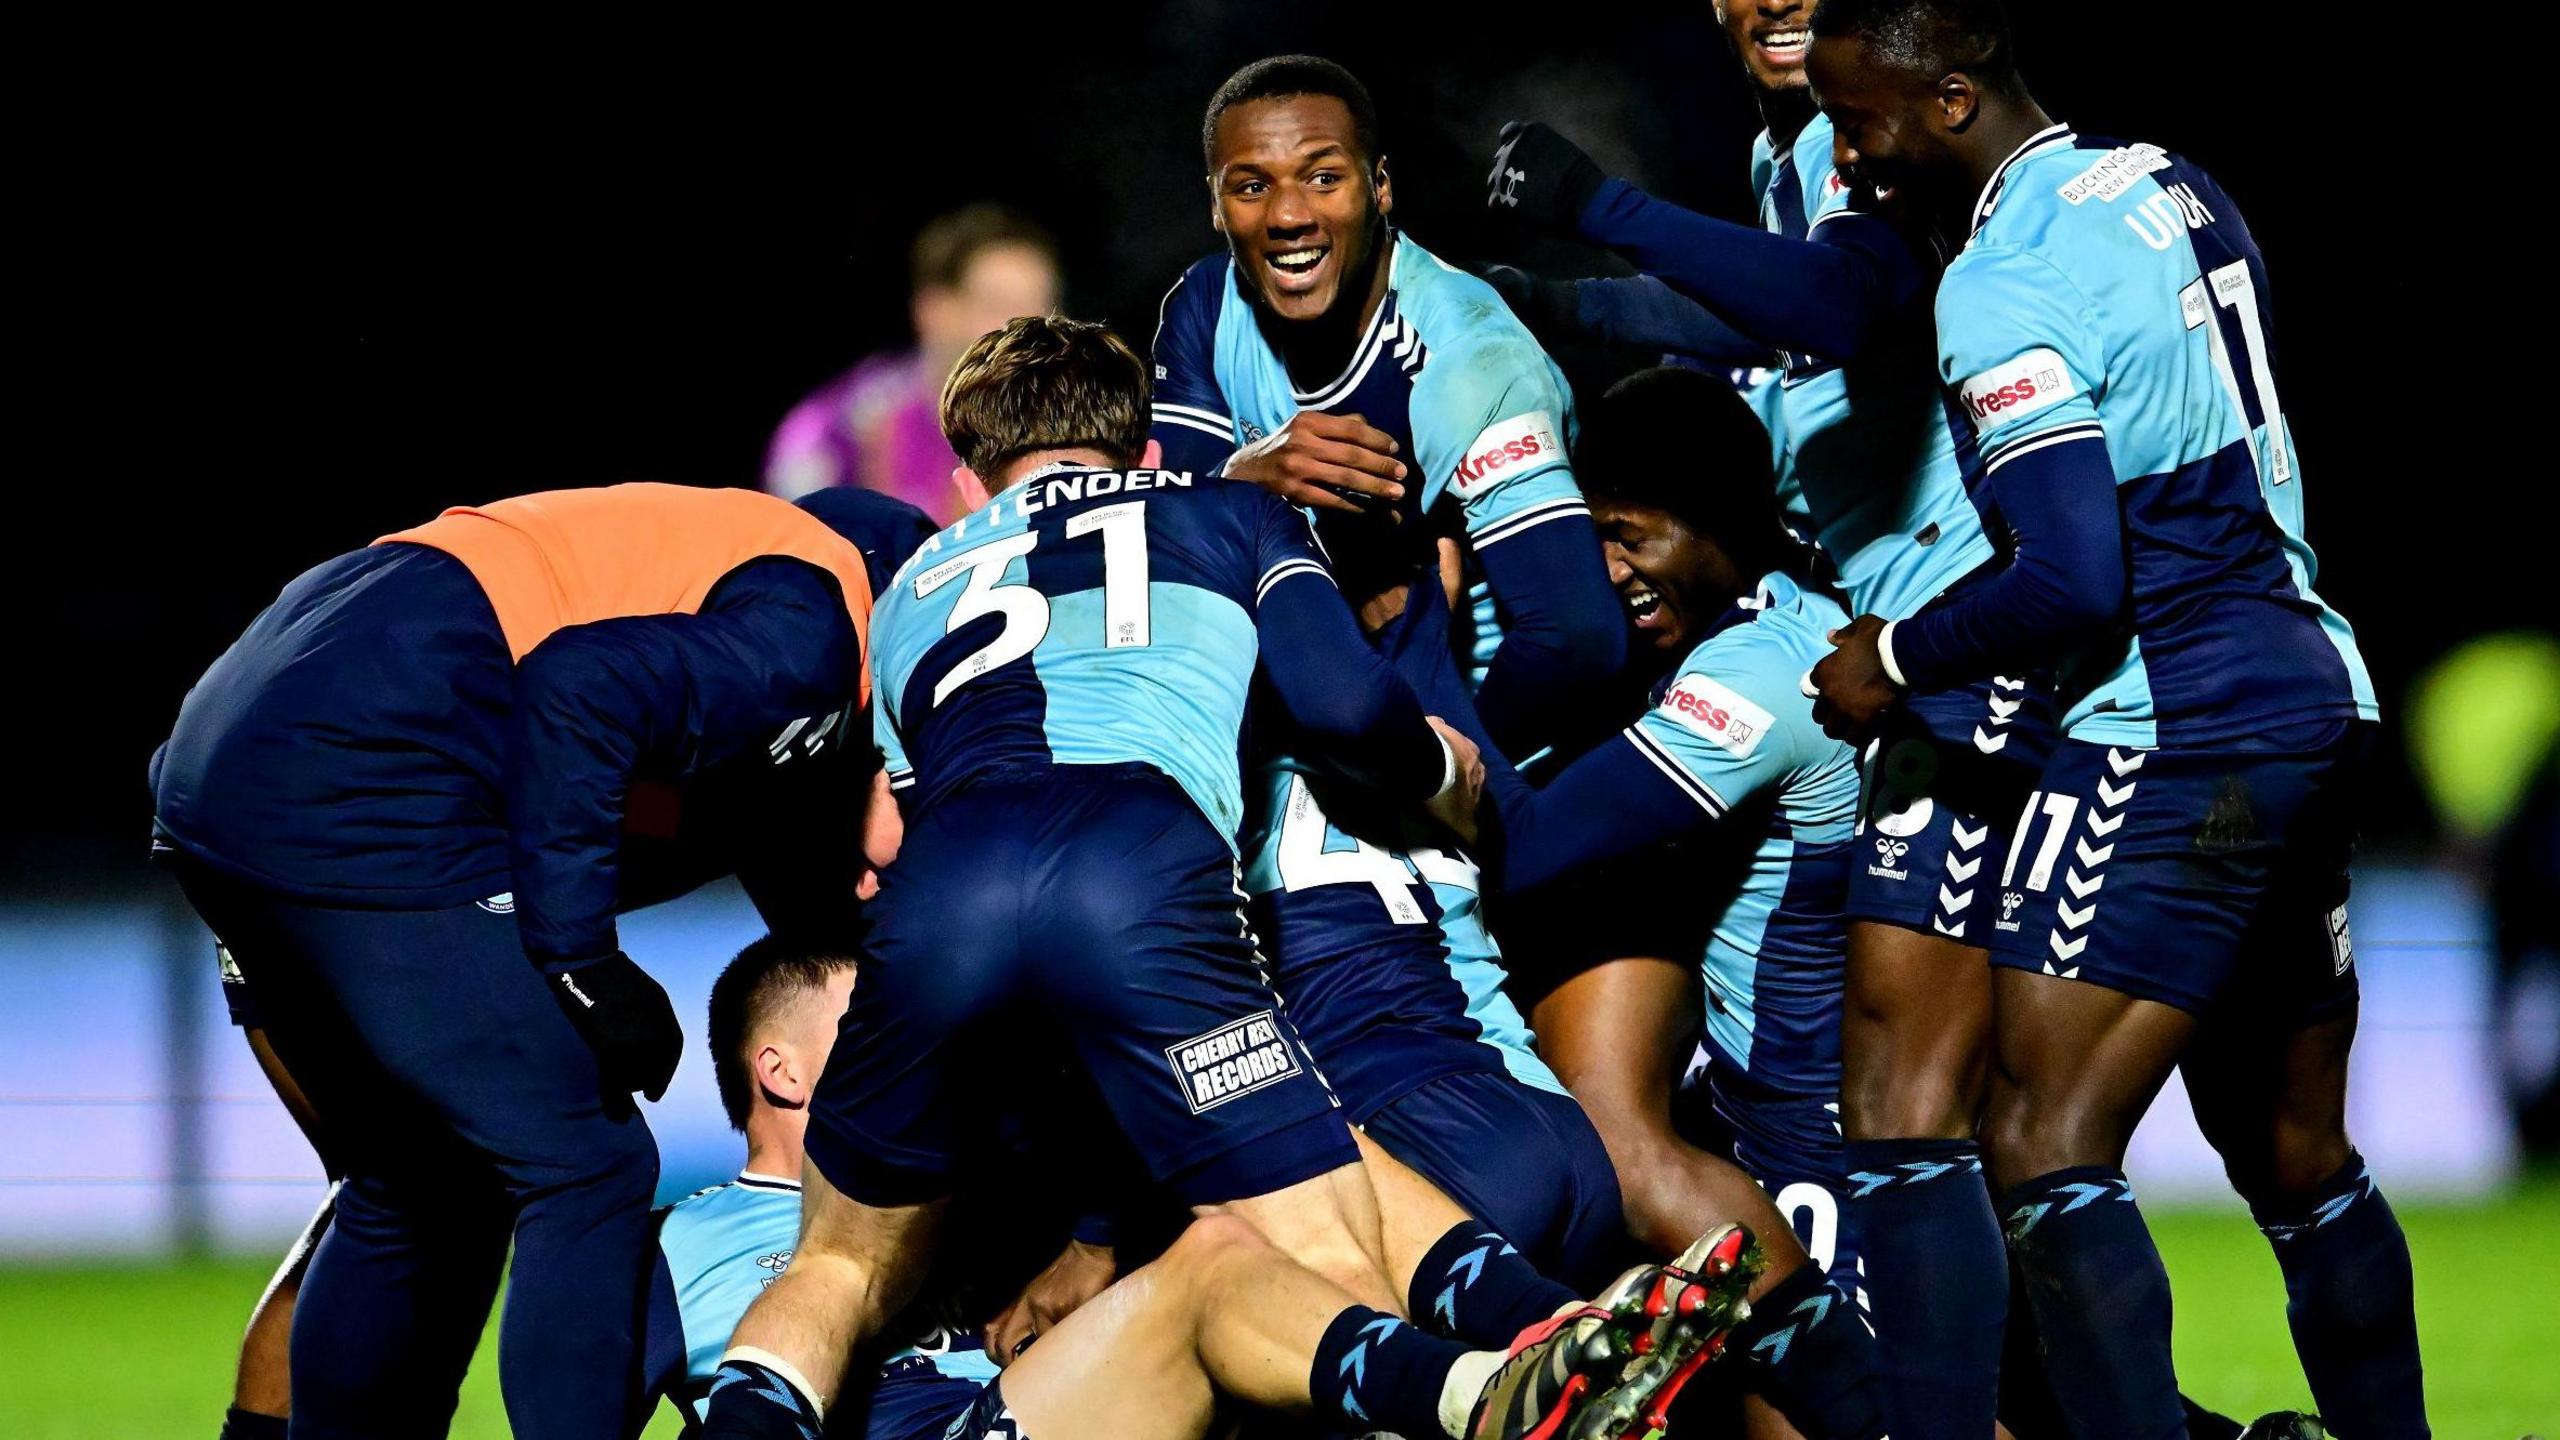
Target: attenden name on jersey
column 1235, row 1059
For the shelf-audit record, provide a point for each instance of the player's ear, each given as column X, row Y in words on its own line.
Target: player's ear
column 973, row 491
column 1381, row 186
column 779, row 1077
column 1217, row 213
column 1958, row 101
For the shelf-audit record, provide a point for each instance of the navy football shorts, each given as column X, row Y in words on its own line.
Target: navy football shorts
column 1789, row 1144
column 1090, row 910
column 2191, row 878
column 912, row 1401
column 1940, row 787
column 1523, row 1160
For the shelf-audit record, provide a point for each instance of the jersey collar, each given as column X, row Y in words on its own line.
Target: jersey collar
column 1372, row 340
column 753, row 1181
column 2052, row 137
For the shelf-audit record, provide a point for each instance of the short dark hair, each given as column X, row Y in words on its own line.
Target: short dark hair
column 1683, row 441
column 765, row 978
column 1045, row 382
column 1930, row 37
column 947, row 244
column 1282, row 76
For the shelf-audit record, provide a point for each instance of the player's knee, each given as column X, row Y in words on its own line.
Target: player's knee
column 1213, row 1243
column 1909, row 1104
column 2026, row 1134
column 2292, row 1169
column 1655, row 1185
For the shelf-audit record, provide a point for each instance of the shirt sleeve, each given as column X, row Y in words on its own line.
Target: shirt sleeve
column 2018, row 349
column 1851, row 279
column 770, row 661
column 1489, row 433
column 1360, row 715
column 1643, row 312
column 1715, row 739
column 1189, row 414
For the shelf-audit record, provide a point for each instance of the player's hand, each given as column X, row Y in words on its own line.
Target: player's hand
column 1539, row 177
column 1851, row 687
column 626, row 1019
column 1455, row 805
column 1078, row 1274
column 1333, row 462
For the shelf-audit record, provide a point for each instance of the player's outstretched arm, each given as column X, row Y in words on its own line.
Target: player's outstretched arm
column 1852, row 279
column 1609, row 802
column 1638, row 311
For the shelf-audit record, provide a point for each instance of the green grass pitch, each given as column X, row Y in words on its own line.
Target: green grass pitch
column 145, row 1353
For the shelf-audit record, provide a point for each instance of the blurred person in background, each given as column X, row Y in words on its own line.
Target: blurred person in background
column 875, row 425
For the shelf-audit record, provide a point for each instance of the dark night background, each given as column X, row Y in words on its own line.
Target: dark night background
column 294, row 289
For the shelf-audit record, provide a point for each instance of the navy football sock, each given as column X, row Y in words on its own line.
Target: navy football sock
column 1473, row 1286
column 1373, row 1371
column 239, row 1424
column 2354, row 1315
column 2101, row 1300
column 751, row 1402
column 1936, row 1282
column 1812, row 1356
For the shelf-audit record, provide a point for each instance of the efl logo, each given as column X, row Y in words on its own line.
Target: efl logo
column 1507, row 447
column 1235, row 1059
column 2022, row 387
column 1717, row 712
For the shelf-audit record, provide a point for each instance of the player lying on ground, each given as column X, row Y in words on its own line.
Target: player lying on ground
column 1086, row 663
column 1220, row 1319
column 1868, row 450
column 404, row 800
column 2177, row 895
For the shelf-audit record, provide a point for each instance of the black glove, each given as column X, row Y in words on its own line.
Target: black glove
column 1539, row 177
column 626, row 1019
column 1552, row 309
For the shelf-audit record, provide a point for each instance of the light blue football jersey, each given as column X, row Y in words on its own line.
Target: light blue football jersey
column 723, row 1245
column 1733, row 731
column 1332, row 891
column 1484, row 417
column 1879, row 480
column 1087, row 617
column 2111, row 293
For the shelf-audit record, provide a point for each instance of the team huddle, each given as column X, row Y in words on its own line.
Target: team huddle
column 1357, row 891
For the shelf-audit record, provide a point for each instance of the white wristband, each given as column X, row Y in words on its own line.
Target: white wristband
column 1448, row 765
column 1884, row 652
column 789, row 1372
